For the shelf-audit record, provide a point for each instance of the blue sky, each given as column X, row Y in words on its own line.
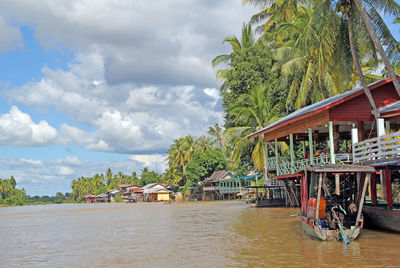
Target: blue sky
column 90, row 85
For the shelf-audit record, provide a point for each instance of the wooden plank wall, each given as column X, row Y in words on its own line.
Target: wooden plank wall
column 299, row 126
column 358, row 109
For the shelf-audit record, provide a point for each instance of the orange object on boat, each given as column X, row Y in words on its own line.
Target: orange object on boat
column 312, row 207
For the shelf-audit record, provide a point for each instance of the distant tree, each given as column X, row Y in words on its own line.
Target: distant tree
column 204, row 163
column 59, row 197
column 149, row 176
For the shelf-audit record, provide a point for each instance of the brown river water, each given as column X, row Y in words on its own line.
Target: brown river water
column 190, row 234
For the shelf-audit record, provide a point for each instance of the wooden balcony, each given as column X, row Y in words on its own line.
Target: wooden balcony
column 381, row 149
column 287, row 168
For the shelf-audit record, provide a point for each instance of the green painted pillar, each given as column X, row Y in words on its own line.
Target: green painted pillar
column 276, row 157
column 312, row 184
column 310, row 145
column 387, row 126
column 304, row 147
column 291, row 153
column 266, row 155
column 331, row 143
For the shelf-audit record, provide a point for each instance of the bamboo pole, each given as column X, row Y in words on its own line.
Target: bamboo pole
column 337, row 184
column 319, row 195
column 366, row 182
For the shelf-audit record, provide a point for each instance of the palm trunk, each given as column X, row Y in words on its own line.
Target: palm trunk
column 378, row 45
column 358, row 67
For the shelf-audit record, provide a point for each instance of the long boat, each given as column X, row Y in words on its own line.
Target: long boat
column 273, row 196
column 332, row 209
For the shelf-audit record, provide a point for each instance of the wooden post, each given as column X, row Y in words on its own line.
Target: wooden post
column 291, row 154
column 331, row 143
column 266, row 160
column 373, row 190
column 337, row 184
column 388, row 184
column 319, row 195
column 360, row 129
column 310, row 145
column 276, row 157
column 367, row 179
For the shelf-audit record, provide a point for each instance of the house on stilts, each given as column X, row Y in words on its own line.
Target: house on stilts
column 341, row 130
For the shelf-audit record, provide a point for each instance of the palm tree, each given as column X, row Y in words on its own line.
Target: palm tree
column 306, row 59
column 203, row 143
column 389, row 7
column 217, row 135
column 180, row 153
column 247, row 40
column 258, row 110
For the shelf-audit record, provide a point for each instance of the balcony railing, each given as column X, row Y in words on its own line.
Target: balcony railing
column 287, row 168
column 223, row 189
column 209, row 188
column 383, row 148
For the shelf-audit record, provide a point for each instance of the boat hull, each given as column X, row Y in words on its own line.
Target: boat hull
column 382, row 217
column 327, row 235
column 281, row 202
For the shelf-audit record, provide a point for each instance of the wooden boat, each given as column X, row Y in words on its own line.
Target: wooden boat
column 334, row 214
column 272, row 196
column 383, row 213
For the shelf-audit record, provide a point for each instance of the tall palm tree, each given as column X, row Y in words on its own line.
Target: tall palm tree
column 306, row 59
column 180, row 153
column 258, row 110
column 389, row 7
column 217, row 135
column 247, row 40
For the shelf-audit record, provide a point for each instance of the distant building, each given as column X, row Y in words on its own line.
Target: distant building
column 154, row 192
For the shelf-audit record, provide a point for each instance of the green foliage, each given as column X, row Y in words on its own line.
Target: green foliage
column 204, row 163
column 9, row 195
column 118, row 198
column 100, row 184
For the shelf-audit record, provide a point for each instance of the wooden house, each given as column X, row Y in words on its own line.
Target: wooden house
column 155, row 192
column 339, row 130
column 221, row 185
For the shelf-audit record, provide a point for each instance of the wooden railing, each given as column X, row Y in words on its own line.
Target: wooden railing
column 287, row 168
column 385, row 147
column 209, row 188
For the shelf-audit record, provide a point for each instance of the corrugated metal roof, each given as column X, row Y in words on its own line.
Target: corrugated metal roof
column 314, row 107
column 395, row 106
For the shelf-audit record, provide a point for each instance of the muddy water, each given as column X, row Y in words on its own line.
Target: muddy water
column 200, row 234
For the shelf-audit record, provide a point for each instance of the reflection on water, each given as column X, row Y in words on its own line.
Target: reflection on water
column 198, row 234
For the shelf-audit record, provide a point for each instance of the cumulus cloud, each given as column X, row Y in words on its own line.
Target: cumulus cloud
column 18, row 129
column 155, row 161
column 175, row 46
column 124, row 118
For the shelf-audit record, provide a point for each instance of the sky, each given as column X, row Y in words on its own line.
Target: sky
column 91, row 85
column 87, row 85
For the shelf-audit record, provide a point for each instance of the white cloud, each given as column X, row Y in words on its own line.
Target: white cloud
column 175, row 46
column 155, row 161
column 124, row 118
column 18, row 129
column 72, row 160
column 63, row 170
